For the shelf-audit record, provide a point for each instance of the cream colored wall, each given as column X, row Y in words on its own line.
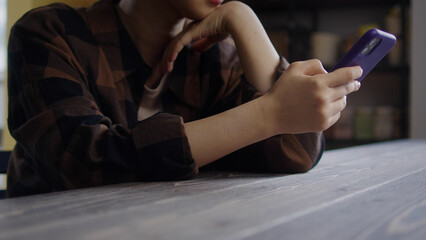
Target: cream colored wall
column 15, row 9
column 418, row 71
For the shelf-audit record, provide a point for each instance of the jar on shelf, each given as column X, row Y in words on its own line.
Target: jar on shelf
column 384, row 123
column 364, row 122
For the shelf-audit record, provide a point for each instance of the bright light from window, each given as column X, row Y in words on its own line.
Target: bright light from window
column 3, row 47
column 3, row 13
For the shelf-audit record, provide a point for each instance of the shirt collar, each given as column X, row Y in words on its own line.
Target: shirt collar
column 114, row 40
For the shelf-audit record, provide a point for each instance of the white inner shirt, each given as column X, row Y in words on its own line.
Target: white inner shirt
column 151, row 100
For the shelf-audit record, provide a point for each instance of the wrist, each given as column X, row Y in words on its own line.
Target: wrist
column 264, row 108
column 237, row 16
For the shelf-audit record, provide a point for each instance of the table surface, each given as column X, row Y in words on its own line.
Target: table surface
column 374, row 191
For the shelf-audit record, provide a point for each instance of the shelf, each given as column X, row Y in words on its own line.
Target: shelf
column 336, row 144
column 286, row 5
column 291, row 23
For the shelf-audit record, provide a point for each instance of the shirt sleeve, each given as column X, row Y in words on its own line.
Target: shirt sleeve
column 62, row 127
column 286, row 153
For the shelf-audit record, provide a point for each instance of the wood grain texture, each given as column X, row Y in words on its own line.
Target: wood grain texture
column 370, row 192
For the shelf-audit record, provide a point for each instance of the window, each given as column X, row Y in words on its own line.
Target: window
column 3, row 50
column 3, row 47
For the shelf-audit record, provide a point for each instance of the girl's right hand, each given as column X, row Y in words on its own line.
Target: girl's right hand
column 308, row 99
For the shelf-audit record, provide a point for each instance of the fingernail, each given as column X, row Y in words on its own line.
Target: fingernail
column 361, row 71
column 357, row 85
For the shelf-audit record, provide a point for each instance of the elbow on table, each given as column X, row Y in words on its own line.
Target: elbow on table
column 296, row 165
column 303, row 166
column 298, row 154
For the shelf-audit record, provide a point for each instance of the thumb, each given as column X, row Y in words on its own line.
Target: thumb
column 309, row 67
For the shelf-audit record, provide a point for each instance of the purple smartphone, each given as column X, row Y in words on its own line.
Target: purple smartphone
column 367, row 51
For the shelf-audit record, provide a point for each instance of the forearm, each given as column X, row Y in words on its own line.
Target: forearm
column 216, row 136
column 258, row 56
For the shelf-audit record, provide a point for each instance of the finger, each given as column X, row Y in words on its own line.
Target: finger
column 170, row 54
column 192, row 33
column 310, row 67
column 177, row 44
column 165, row 59
column 343, row 75
column 345, row 89
column 333, row 119
column 205, row 43
column 338, row 106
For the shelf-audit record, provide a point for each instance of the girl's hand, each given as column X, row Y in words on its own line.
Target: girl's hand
column 203, row 34
column 308, row 99
column 258, row 57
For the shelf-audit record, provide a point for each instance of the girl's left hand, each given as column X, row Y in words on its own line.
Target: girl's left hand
column 203, row 34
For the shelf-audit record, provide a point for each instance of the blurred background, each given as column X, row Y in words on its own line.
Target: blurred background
column 390, row 104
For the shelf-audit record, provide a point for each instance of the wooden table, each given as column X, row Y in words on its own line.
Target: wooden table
column 375, row 191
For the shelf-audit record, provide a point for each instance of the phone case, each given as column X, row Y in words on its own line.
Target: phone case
column 368, row 51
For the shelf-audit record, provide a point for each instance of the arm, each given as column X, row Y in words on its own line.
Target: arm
column 301, row 101
column 304, row 99
column 258, row 57
column 71, row 131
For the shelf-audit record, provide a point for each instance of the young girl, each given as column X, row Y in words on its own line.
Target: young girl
column 141, row 90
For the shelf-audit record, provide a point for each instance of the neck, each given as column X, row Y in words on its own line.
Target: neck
column 148, row 27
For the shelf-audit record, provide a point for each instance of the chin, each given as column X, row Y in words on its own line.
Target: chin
column 196, row 9
column 197, row 17
column 200, row 13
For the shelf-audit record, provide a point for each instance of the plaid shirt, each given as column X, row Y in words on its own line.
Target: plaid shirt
column 75, row 83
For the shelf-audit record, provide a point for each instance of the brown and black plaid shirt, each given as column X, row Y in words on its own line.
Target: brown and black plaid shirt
column 75, row 84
